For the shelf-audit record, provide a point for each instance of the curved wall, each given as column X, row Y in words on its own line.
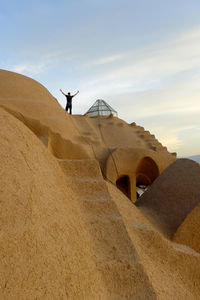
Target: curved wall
column 142, row 166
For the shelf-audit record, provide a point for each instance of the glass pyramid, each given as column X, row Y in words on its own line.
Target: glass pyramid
column 101, row 108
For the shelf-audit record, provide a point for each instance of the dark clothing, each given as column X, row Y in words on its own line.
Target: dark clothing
column 69, row 99
column 69, row 103
column 69, row 106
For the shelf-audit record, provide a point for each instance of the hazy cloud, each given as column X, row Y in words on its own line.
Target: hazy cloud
column 106, row 60
column 154, row 64
column 29, row 69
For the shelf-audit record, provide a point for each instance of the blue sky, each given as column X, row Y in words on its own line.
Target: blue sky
column 142, row 57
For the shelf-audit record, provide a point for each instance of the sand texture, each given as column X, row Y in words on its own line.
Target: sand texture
column 70, row 224
column 188, row 232
column 173, row 195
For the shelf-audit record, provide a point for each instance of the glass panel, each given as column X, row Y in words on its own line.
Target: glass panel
column 93, row 108
column 93, row 114
column 105, row 113
column 101, row 108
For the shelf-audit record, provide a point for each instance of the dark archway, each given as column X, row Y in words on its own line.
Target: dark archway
column 123, row 184
column 146, row 172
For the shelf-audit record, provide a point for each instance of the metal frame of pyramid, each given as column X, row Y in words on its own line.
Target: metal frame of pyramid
column 101, row 108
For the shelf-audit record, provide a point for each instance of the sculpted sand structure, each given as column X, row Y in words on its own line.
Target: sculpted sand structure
column 71, row 226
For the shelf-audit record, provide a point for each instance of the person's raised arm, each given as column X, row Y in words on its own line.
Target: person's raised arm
column 62, row 92
column 75, row 94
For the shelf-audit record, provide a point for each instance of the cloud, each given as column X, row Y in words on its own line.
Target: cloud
column 29, row 69
column 172, row 141
column 41, row 64
column 168, row 112
column 153, row 65
column 106, row 60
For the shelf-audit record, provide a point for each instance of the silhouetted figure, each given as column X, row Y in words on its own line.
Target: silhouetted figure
column 69, row 101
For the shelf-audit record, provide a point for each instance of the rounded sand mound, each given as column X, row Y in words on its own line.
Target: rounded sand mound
column 64, row 232
column 172, row 195
column 45, row 251
column 188, row 233
column 31, row 102
column 17, row 86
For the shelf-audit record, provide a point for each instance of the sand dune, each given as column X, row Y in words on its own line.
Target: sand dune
column 66, row 230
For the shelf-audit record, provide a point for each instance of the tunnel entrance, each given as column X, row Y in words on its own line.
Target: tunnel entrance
column 123, row 184
column 146, row 172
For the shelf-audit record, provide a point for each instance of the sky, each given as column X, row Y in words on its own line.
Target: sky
column 142, row 57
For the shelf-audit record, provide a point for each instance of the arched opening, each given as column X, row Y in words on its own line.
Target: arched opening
column 123, row 184
column 146, row 172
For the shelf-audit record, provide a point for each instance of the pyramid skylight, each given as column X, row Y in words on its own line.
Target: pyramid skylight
column 101, row 108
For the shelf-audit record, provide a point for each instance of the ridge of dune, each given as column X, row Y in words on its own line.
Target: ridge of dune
column 69, row 228
column 14, row 86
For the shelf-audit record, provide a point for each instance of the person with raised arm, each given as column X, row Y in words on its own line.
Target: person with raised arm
column 69, row 100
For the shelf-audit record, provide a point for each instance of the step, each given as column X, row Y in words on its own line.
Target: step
column 126, row 279
column 88, row 187
column 99, row 208
column 94, row 197
column 110, row 238
column 80, row 167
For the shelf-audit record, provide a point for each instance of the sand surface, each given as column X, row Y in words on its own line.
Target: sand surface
column 173, row 195
column 66, row 230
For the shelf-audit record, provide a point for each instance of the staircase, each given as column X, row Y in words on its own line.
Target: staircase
column 114, row 254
